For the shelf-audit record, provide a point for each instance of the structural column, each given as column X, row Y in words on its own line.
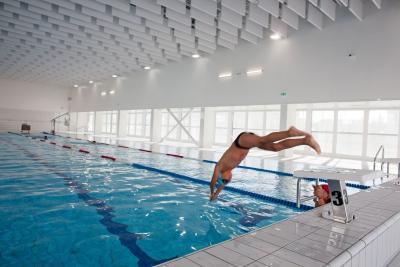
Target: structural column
column 155, row 132
column 287, row 119
column 207, row 127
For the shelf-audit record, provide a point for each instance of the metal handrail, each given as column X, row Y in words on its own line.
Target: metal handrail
column 381, row 148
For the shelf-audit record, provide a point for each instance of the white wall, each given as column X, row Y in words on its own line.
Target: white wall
column 311, row 66
column 34, row 104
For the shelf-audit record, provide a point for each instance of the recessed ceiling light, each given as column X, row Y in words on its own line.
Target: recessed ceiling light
column 114, row 75
column 275, row 36
column 112, row 92
column 225, row 75
column 195, row 56
column 75, row 85
column 90, row 81
column 103, row 93
column 253, row 72
column 147, row 68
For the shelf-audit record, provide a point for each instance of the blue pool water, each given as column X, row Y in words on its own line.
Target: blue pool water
column 63, row 208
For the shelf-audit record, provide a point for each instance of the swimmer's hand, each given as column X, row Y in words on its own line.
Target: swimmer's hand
column 213, row 196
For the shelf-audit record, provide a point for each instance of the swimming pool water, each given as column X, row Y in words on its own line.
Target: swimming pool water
column 62, row 208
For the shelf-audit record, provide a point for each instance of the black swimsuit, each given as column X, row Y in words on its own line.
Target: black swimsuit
column 236, row 142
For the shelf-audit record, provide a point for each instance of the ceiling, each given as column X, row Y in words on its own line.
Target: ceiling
column 67, row 42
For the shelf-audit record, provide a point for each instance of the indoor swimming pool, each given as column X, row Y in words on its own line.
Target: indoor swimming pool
column 65, row 208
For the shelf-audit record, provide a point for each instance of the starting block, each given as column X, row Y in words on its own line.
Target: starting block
column 338, row 209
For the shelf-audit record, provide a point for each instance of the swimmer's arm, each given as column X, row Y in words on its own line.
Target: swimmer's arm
column 213, row 181
column 215, row 195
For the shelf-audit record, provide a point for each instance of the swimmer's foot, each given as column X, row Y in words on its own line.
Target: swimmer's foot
column 293, row 131
column 311, row 142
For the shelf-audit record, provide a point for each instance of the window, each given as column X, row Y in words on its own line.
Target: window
column 349, row 132
column 322, row 128
column 301, row 119
column 189, row 118
column 383, row 129
column 139, row 123
column 90, row 123
column 354, row 129
column 109, row 122
column 231, row 121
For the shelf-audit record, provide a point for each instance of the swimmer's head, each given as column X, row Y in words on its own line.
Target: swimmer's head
column 226, row 176
column 321, row 195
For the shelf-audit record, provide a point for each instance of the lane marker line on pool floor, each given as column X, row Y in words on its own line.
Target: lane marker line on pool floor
column 126, row 238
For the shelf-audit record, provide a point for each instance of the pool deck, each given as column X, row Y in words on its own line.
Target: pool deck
column 307, row 239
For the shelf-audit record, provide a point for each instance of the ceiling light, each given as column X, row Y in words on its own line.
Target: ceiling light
column 253, row 72
column 103, row 93
column 114, row 75
column 112, row 92
column 225, row 75
column 90, row 81
column 147, row 68
column 76, row 85
column 195, row 56
column 275, row 36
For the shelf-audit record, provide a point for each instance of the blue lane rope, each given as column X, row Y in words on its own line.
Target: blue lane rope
column 284, row 202
column 359, row 186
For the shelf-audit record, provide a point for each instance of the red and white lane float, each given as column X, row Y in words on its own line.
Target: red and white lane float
column 174, row 155
column 108, row 157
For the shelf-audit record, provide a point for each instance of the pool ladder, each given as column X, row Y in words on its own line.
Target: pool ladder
column 381, row 148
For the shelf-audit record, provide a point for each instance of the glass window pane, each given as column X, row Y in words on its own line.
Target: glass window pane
column 184, row 136
column 221, row 136
column 325, row 140
column 173, row 134
column 301, row 119
column 221, row 119
column 148, row 118
column 272, row 120
column 147, row 133
column 164, row 118
column 239, row 119
column 195, row 131
column 389, row 142
column 383, row 121
column 195, row 119
column 349, row 144
column 139, row 118
column 138, row 129
column 255, row 120
column 350, row 121
column 322, row 120
column 164, row 130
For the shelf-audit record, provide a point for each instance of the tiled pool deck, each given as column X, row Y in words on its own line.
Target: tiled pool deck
column 307, row 239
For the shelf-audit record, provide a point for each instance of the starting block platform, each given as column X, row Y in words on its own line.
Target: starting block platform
column 338, row 209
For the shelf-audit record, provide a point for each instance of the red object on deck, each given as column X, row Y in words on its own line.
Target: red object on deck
column 174, row 155
column 84, row 151
column 145, row 150
column 65, row 146
column 53, row 143
column 108, row 157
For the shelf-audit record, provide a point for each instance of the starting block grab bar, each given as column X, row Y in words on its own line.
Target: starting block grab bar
column 337, row 209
